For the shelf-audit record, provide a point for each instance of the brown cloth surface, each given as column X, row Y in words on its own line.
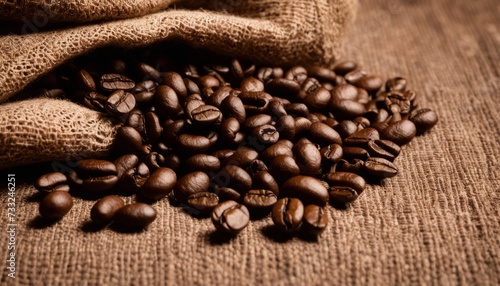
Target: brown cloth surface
column 435, row 223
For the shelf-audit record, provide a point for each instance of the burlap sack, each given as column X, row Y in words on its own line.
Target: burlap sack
column 265, row 31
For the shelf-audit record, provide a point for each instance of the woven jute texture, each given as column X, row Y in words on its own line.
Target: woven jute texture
column 265, row 31
column 435, row 223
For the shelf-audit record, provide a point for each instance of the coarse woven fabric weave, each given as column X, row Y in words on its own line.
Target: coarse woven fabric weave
column 265, row 31
column 436, row 223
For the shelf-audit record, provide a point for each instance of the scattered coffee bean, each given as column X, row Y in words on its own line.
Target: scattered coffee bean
column 308, row 189
column 203, row 201
column 104, row 209
column 380, row 167
column 315, row 219
column 159, row 184
column 50, row 182
column 259, row 199
column 287, row 214
column 55, row 205
column 230, row 216
column 135, row 216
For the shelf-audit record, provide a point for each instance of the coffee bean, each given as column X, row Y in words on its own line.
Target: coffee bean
column 275, row 150
column 287, row 214
column 166, row 101
column 226, row 193
column 95, row 100
column 355, row 153
column 308, row 159
column 195, row 182
column 237, row 178
column 55, row 205
column 267, row 73
column 175, row 81
column 255, row 102
column 264, row 180
column 137, row 120
column 380, row 167
column 283, row 87
column 324, row 135
column 283, row 167
column 277, row 108
column 230, row 216
column 331, row 154
column 321, row 73
column 307, row 87
column 232, row 106
column 96, row 175
column 424, row 119
column 104, row 209
column 266, row 134
column 345, row 67
column 383, row 149
column 193, row 143
column 242, row 157
column 344, row 91
column 308, row 189
column 153, row 127
column 202, row 162
column 128, row 141
column 315, row 219
column 54, row 181
column 356, row 166
column 191, row 86
column 370, row 83
column 257, row 120
column 297, row 73
column 318, row 100
column 346, row 179
column 220, row 94
column 241, row 69
column 259, row 199
column 135, row 216
column 362, row 137
column 251, row 84
column 346, row 128
column 112, row 82
column 203, row 201
column 396, row 102
column 354, row 76
column 342, row 194
column 286, row 127
column 346, row 108
column 401, row 132
column 85, row 81
column 159, row 184
column 206, row 114
column 395, row 84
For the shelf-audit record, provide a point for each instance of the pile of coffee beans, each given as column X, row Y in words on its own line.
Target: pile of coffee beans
column 229, row 139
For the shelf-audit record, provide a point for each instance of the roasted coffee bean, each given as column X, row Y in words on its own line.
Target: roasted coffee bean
column 120, row 103
column 85, row 81
column 346, row 128
column 287, row 214
column 257, row 120
column 232, row 106
column 260, row 199
column 277, row 108
column 308, row 86
column 321, row 73
column 240, row 69
column 112, row 82
column 318, row 100
column 255, row 102
column 383, row 149
column 395, row 84
column 424, row 119
column 308, row 159
column 255, row 167
column 191, row 183
column 96, row 175
column 95, row 100
column 354, row 76
column 346, row 179
column 128, row 141
column 135, row 216
column 355, row 153
column 229, row 129
column 206, row 114
column 55, row 205
column 283, row 88
column 172, row 130
column 208, row 81
column 104, row 209
column 146, row 72
column 191, row 86
column 133, row 178
column 153, row 127
column 346, row 108
column 267, row 73
column 222, row 154
column 203, row 201
column 230, row 216
column 396, row 102
column 342, row 194
column 166, row 101
column 220, row 94
column 380, row 167
column 401, row 132
column 345, row 67
column 154, row 160
column 251, row 84
column 356, row 166
column 242, row 157
column 226, row 193
column 370, row 83
column 51, row 182
column 53, row 93
column 297, row 73
column 315, row 219
column 283, row 167
column 275, row 150
column 264, row 180
column 344, row 91
column 361, row 122
column 202, row 162
column 145, row 91
column 175, row 81
column 266, row 134
column 331, row 154
column 308, row 189
column 302, row 126
column 286, row 127
column 236, row 178
column 193, row 143
column 124, row 163
column 362, row 137
column 324, row 135
column 137, row 120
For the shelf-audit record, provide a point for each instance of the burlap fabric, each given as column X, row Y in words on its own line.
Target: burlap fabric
column 436, row 223
column 265, row 31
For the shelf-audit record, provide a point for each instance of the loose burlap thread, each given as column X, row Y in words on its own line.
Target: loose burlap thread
column 264, row 31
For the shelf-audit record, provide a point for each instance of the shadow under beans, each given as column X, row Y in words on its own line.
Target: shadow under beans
column 126, row 229
column 40, row 222
column 217, row 237
column 35, row 197
column 276, row 235
column 90, row 226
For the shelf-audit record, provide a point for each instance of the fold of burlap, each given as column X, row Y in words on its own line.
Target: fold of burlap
column 266, row 31
column 44, row 129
